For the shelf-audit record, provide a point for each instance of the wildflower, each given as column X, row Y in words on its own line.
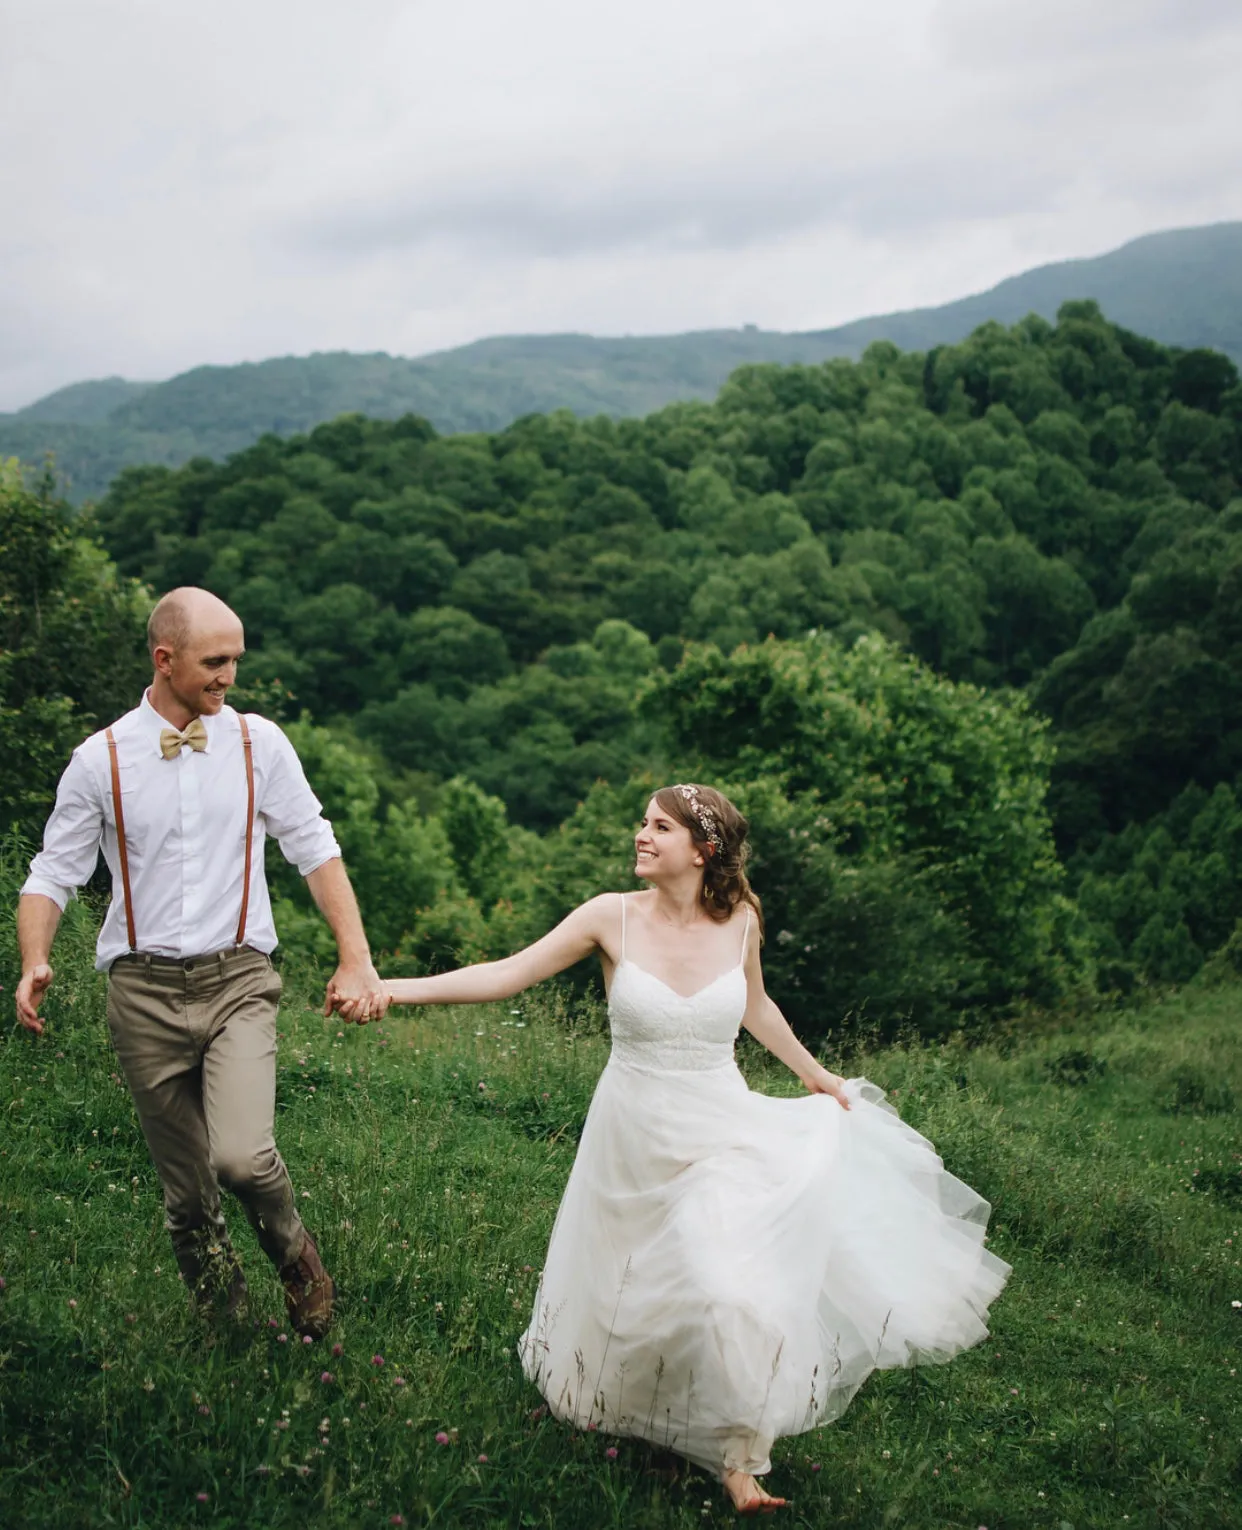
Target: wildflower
column 816, row 1467
column 303, row 1471
column 441, row 1437
column 282, row 1338
column 204, row 1410
column 131, row 1318
column 611, row 1453
column 398, row 1381
column 326, row 1378
column 482, row 1087
column 263, row 1471
column 306, row 1339
column 482, row 1460
column 1234, row 1305
column 1013, row 1391
column 337, row 1351
column 886, row 1454
column 1, row 1282
column 72, row 1303
column 377, row 1359
column 397, row 1519
column 272, row 1323
column 201, row 1497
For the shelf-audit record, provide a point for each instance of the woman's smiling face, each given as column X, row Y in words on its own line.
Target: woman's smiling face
column 663, row 847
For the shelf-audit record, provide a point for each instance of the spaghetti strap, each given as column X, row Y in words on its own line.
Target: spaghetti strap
column 745, row 938
column 624, row 900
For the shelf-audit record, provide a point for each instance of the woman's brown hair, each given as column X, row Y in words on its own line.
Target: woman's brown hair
column 720, row 831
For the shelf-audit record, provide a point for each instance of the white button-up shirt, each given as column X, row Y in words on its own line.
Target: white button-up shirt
column 185, row 831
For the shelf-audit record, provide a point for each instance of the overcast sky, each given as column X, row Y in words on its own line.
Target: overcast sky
column 185, row 183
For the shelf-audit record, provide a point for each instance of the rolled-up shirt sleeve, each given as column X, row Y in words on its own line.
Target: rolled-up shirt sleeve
column 71, row 838
column 293, row 813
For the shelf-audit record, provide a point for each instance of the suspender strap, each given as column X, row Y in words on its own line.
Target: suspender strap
column 248, row 753
column 122, row 848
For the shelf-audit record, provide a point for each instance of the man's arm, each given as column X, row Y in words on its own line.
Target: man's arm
column 355, row 977
column 70, row 850
column 37, row 919
column 293, row 813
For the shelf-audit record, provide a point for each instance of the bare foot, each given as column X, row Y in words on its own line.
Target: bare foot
column 747, row 1495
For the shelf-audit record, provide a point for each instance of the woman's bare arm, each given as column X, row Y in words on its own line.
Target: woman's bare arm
column 769, row 1027
column 593, row 926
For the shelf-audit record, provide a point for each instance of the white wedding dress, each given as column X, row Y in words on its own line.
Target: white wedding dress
column 726, row 1267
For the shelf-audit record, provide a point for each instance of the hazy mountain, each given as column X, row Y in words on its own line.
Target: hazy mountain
column 1182, row 287
column 84, row 403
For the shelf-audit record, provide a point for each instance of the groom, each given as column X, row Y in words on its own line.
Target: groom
column 180, row 793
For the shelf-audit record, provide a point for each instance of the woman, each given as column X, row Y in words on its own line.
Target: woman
column 725, row 1267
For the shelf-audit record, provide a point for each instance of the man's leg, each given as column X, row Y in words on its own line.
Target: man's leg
column 239, row 1093
column 237, row 1000
column 160, row 1059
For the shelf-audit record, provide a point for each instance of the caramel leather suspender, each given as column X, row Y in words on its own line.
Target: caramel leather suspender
column 123, row 850
column 248, row 753
column 120, row 840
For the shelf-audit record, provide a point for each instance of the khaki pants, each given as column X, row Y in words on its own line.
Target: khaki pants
column 197, row 1044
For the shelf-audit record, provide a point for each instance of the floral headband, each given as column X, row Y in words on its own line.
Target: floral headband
column 706, row 818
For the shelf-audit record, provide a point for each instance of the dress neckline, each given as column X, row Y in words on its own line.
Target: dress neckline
column 668, row 987
column 628, row 961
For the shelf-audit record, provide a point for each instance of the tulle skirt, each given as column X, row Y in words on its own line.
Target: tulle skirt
column 727, row 1268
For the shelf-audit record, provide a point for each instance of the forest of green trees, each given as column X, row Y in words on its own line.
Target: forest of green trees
column 961, row 630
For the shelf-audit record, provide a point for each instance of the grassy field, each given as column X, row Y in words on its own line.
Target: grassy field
column 430, row 1153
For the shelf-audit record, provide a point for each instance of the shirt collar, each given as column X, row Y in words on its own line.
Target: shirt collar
column 153, row 724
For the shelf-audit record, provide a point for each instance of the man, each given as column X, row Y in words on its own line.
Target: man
column 180, row 792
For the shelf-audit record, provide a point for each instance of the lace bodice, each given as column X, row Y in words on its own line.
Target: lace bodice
column 657, row 1028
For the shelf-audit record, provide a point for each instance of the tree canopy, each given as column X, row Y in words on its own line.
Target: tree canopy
column 928, row 613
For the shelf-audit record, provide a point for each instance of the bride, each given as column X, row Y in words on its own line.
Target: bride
column 725, row 1267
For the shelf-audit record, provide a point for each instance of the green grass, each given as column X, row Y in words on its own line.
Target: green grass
column 431, row 1153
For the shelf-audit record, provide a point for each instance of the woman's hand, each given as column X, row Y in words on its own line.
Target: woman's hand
column 358, row 1011
column 819, row 1081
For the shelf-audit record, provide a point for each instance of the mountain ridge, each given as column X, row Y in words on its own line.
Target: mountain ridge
column 1182, row 287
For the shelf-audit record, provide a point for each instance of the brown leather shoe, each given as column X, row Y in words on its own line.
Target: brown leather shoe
column 216, row 1282
column 309, row 1290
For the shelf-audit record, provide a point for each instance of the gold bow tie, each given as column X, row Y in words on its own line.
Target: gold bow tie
column 171, row 741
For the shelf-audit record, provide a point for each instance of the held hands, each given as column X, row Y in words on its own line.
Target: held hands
column 819, row 1081
column 355, row 990
column 30, row 991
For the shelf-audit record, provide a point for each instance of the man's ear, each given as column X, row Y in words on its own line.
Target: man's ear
column 162, row 659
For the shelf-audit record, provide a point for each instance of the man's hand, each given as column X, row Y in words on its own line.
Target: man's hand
column 823, row 1082
column 356, row 991
column 34, row 984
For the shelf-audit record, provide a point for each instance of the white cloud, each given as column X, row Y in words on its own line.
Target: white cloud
column 214, row 184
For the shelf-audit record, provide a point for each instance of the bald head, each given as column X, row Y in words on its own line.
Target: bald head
column 185, row 615
column 196, row 644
